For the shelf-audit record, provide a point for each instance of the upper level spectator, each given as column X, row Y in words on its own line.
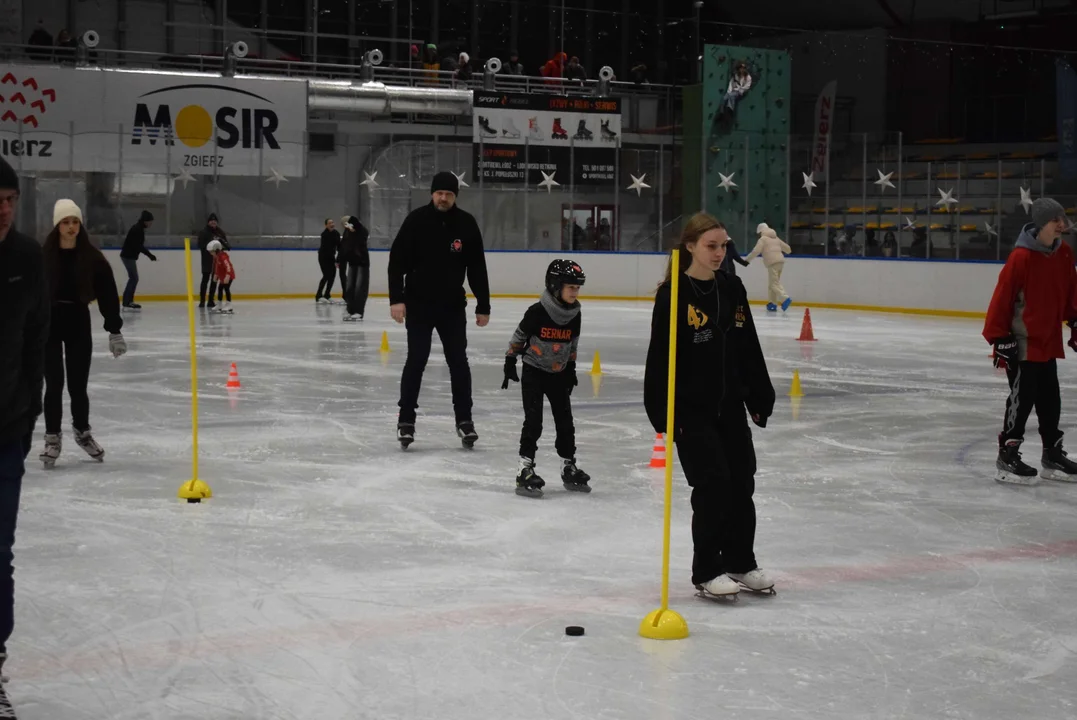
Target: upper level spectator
column 513, row 66
column 463, row 69
column 431, row 64
column 40, row 38
column 555, row 67
column 575, row 71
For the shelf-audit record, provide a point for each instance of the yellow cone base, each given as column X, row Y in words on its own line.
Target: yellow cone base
column 194, row 491
column 385, row 342
column 663, row 625
column 596, row 365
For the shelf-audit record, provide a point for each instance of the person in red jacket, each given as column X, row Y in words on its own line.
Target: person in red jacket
column 223, row 273
column 1036, row 293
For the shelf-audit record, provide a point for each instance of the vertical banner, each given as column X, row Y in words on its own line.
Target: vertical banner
column 823, row 120
column 1066, row 86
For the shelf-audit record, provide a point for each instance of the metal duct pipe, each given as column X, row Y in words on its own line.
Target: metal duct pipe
column 378, row 99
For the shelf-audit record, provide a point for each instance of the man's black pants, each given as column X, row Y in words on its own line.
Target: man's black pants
column 358, row 289
column 1033, row 385
column 451, row 326
column 329, row 274
column 12, row 455
column 536, row 386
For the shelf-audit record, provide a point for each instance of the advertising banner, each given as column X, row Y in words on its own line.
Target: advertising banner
column 1066, row 85
column 93, row 120
column 824, row 126
column 516, row 136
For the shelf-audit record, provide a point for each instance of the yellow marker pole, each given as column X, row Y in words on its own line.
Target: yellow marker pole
column 663, row 623
column 194, row 490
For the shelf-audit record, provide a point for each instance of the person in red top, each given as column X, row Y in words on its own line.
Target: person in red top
column 223, row 275
column 1036, row 293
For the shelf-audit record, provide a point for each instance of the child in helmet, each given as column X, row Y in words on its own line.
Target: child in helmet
column 224, row 274
column 547, row 339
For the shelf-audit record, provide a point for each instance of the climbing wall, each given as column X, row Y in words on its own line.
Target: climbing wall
column 751, row 145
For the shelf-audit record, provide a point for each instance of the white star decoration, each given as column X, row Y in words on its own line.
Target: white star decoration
column 276, row 178
column 990, row 228
column 370, row 179
column 637, row 184
column 460, row 179
column 809, row 182
column 884, row 180
column 1026, row 200
column 909, row 223
column 727, row 181
column 547, row 181
column 1073, row 226
column 184, row 177
column 947, row 198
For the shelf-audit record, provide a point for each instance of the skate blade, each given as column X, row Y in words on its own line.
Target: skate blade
column 527, row 492
column 577, row 487
column 1057, row 475
column 404, row 444
column 701, row 593
column 1008, row 478
column 764, row 591
column 49, row 464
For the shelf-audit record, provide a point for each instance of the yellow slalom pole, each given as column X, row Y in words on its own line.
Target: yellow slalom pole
column 663, row 623
column 194, row 490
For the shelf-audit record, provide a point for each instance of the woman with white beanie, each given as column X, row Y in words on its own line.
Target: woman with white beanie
column 771, row 247
column 77, row 274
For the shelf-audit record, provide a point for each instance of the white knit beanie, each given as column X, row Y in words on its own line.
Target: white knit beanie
column 761, row 227
column 64, row 209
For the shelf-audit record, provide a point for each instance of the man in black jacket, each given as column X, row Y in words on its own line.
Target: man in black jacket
column 209, row 233
column 327, row 261
column 24, row 328
column 438, row 245
column 355, row 258
column 133, row 246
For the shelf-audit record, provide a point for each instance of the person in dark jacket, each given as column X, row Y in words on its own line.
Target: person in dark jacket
column 720, row 372
column 77, row 274
column 437, row 245
column 24, row 330
column 327, row 261
column 210, row 232
column 732, row 256
column 133, row 246
column 355, row 256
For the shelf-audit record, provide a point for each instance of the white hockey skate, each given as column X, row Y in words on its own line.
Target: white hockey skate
column 85, row 441
column 353, row 317
column 53, row 445
column 509, row 129
column 533, row 129
column 755, row 581
column 719, row 588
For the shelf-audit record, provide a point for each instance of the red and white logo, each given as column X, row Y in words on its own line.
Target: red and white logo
column 456, row 246
column 26, row 101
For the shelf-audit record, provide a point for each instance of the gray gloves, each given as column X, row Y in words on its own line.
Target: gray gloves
column 116, row 344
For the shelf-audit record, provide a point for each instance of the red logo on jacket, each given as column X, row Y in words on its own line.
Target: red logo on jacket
column 456, row 246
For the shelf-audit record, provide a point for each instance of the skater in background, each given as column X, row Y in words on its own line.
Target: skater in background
column 732, row 256
column 223, row 276
column 1036, row 293
column 720, row 372
column 24, row 330
column 548, row 338
column 771, row 247
column 133, row 246
column 210, row 232
column 438, row 245
column 355, row 256
column 327, row 262
column 77, row 274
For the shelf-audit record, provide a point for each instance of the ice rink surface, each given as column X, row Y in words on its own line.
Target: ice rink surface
column 335, row 576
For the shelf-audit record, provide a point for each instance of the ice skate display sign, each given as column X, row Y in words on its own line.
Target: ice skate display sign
column 518, row 136
column 96, row 120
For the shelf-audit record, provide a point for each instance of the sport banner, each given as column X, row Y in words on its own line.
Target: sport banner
column 1066, row 84
column 94, row 120
column 519, row 136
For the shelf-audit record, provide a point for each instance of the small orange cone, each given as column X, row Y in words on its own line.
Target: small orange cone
column 658, row 455
column 233, row 377
column 806, row 334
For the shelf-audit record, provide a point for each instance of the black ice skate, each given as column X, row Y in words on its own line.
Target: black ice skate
column 129, row 307
column 1011, row 469
column 574, row 479
column 607, row 134
column 528, row 484
column 6, row 709
column 484, row 124
column 1057, row 466
column 53, row 445
column 582, row 133
column 467, row 434
column 405, row 434
column 85, row 441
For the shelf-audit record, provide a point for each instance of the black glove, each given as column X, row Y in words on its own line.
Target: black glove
column 510, row 372
column 1006, row 351
column 153, row 258
column 760, row 420
column 571, row 380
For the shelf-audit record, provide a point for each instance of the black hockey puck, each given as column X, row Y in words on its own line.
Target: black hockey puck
column 574, row 630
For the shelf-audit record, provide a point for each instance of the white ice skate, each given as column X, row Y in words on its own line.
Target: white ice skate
column 86, row 442
column 53, row 445
column 533, row 129
column 720, row 587
column 509, row 129
column 322, row 301
column 755, row 581
column 226, row 309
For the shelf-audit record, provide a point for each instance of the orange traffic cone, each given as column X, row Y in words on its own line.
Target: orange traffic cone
column 233, row 377
column 806, row 333
column 658, row 455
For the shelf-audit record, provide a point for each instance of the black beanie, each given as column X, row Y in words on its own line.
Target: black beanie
column 445, row 181
column 212, row 217
column 9, row 179
column 146, row 216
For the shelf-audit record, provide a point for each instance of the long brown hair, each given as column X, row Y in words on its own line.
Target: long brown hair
column 86, row 259
column 694, row 229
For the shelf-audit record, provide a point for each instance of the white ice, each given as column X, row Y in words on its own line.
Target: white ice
column 335, row 576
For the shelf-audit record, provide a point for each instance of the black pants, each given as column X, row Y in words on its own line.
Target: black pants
column 718, row 460
column 206, row 274
column 224, row 290
column 1033, row 384
column 131, row 264
column 12, row 455
column 69, row 347
column 357, row 290
column 329, row 274
column 536, row 385
column 451, row 326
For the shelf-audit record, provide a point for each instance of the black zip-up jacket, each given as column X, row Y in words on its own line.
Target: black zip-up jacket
column 24, row 329
column 207, row 236
column 720, row 364
column 353, row 245
column 135, row 243
column 432, row 253
column 93, row 277
column 327, row 252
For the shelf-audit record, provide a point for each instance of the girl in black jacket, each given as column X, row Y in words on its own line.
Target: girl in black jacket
column 355, row 255
column 327, row 262
column 720, row 372
column 77, row 274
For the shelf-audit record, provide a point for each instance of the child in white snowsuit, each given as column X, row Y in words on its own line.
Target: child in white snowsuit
column 771, row 247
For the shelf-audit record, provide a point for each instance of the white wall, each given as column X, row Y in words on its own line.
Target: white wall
column 943, row 287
